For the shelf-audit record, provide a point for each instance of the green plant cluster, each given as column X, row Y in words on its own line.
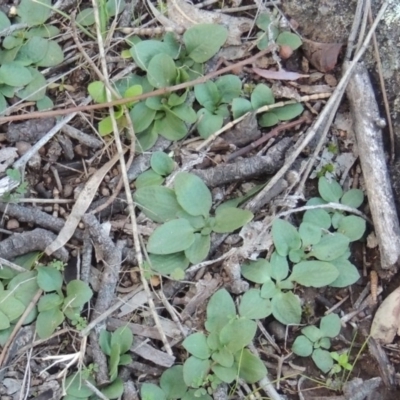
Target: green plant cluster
column 221, row 354
column 315, row 342
column 184, row 211
column 18, row 289
column 168, row 62
column 318, row 251
column 24, row 51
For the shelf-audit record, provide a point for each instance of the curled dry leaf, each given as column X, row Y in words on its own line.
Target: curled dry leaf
column 185, row 14
column 323, row 56
column 279, row 75
column 386, row 322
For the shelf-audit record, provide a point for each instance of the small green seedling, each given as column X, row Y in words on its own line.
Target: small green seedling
column 342, row 362
column 18, row 289
column 315, row 342
column 221, row 354
column 185, row 234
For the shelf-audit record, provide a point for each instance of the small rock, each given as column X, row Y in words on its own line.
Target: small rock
column 277, row 329
column 12, row 224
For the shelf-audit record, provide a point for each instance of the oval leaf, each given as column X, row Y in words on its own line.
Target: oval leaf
column 286, row 308
column 161, row 71
column 229, row 219
column 220, row 310
column 172, row 237
column 285, row 237
column 196, row 345
column 314, row 273
column 253, row 306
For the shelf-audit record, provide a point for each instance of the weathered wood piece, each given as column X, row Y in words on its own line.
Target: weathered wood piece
column 365, row 114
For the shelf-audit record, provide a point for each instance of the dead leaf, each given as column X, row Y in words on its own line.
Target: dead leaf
column 386, row 322
column 185, row 14
column 82, row 204
column 281, row 75
column 322, row 56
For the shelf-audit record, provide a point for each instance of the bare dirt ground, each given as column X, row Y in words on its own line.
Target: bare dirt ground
column 68, row 214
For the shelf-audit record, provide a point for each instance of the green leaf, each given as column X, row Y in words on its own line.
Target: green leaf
column 263, row 21
column 269, row 289
column 167, row 264
column 53, row 56
column 324, row 343
column 4, row 321
column 115, row 7
column 172, row 382
column 203, row 41
column 223, row 357
column 323, row 360
column 330, row 191
column 330, row 247
column 157, row 202
column 195, row 371
column 142, row 116
column 49, row 279
column 318, row 217
column 285, row 237
column 162, row 163
column 133, row 91
column 196, row 345
column 289, row 39
column 253, row 306
column 289, row 111
column 225, row 374
column 13, row 74
column 279, row 267
column 220, row 310
column 7, row 91
column 208, row 95
column 184, row 112
column 258, row 271
column 330, row 325
column 97, row 91
column 24, row 285
column 171, row 237
column 348, row 274
column 262, row 96
column 161, row 71
column 309, row 233
column 238, row 334
column 229, row 87
column 176, row 100
column 302, row 346
column 114, row 390
column 240, row 107
column 229, row 219
column 286, row 308
column 353, row 227
column 197, row 222
column 312, row 333
column 36, row 89
column 171, row 127
column 200, row 248
column 50, row 301
column 78, row 293
column 113, row 362
column 143, row 52
column 209, row 123
column 44, row 31
column 106, row 126
column 146, row 140
column 314, row 273
column 48, row 321
column 268, row 119
column 149, row 391
column 44, row 104
column 3, row 104
column 353, row 198
column 4, row 21
column 252, row 369
column 192, row 194
column 10, row 42
column 33, row 13
column 105, row 342
column 86, row 17
column 148, row 178
column 124, row 337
